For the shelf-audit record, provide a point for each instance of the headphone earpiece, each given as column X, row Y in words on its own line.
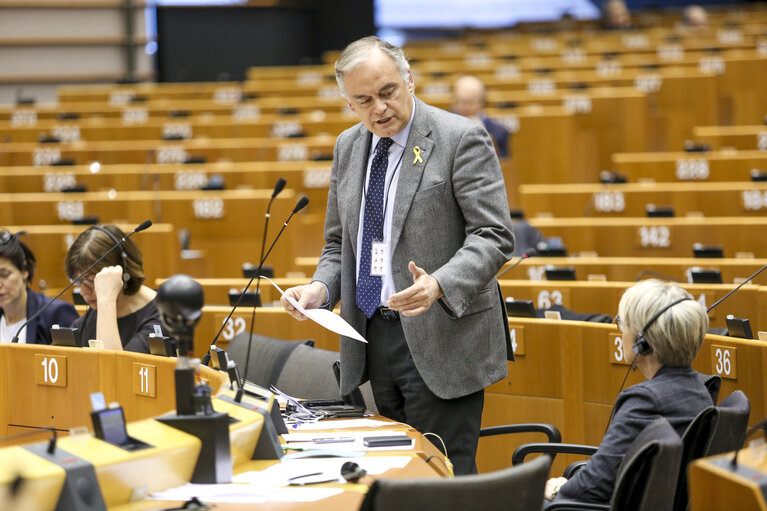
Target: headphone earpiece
column 641, row 347
column 641, row 344
column 123, row 254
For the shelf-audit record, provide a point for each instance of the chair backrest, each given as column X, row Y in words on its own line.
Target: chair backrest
column 695, row 444
column 308, row 373
column 713, row 383
column 267, row 356
column 518, row 488
column 731, row 424
column 361, row 396
column 648, row 474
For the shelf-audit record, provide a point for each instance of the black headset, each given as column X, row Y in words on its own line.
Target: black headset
column 641, row 345
column 123, row 253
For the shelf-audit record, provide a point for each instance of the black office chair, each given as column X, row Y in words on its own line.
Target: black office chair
column 715, row 430
column 647, row 475
column 267, row 356
column 518, row 488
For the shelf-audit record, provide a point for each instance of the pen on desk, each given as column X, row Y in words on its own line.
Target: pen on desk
column 304, row 475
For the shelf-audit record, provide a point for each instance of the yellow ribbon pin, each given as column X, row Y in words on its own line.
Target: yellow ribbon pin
column 417, row 153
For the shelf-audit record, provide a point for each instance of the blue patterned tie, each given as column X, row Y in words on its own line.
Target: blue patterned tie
column 369, row 286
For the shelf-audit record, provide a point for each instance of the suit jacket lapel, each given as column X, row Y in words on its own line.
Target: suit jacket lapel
column 351, row 185
column 412, row 170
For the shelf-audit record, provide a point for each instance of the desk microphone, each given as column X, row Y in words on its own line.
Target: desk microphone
column 302, row 202
column 757, row 272
column 532, row 252
column 36, row 430
column 144, row 225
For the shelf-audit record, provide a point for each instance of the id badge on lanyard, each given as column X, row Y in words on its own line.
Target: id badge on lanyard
column 378, row 259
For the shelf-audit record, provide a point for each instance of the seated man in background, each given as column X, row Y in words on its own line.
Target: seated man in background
column 469, row 100
column 694, row 16
column 663, row 328
column 18, row 303
column 615, row 15
column 121, row 311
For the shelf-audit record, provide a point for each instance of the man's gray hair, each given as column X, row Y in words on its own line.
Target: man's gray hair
column 678, row 333
column 359, row 51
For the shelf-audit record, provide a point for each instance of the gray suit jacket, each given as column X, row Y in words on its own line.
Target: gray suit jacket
column 451, row 218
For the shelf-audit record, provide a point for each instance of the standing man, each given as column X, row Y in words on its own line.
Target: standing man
column 469, row 100
column 417, row 214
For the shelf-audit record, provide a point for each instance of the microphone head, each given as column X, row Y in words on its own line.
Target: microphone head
column 278, row 187
column 531, row 252
column 144, row 225
column 302, row 202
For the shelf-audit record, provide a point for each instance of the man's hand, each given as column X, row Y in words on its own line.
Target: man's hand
column 310, row 296
column 419, row 297
column 108, row 283
column 553, row 484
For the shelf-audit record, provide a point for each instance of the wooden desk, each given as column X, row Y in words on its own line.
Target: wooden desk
column 656, row 237
column 680, row 166
column 740, row 137
column 59, row 397
column 712, row 199
column 715, row 485
column 218, row 221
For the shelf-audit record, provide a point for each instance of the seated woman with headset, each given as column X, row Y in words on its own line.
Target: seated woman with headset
column 663, row 328
column 121, row 311
column 18, row 303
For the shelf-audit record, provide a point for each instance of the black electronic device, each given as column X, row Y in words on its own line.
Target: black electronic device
column 76, row 188
column 708, row 251
column 706, row 277
column 758, row 175
column 387, row 440
column 739, row 327
column 696, row 147
column 548, row 251
column 244, row 298
column 520, row 308
column 565, row 273
column 65, row 336
column 250, row 270
column 654, row 211
column 109, row 426
column 86, row 220
column 162, row 345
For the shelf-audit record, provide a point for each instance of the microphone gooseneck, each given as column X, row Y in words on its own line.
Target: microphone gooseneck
column 749, row 279
column 142, row 226
column 532, row 252
column 302, row 202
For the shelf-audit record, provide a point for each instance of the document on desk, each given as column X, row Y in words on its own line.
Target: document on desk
column 343, row 441
column 323, row 317
column 341, row 424
column 256, row 493
column 287, row 470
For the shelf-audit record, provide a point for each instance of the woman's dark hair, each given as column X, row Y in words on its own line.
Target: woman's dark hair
column 95, row 242
column 17, row 252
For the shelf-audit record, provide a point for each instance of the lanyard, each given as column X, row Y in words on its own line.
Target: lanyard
column 387, row 188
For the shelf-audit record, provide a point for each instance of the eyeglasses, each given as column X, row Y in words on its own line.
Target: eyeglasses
column 618, row 322
column 84, row 281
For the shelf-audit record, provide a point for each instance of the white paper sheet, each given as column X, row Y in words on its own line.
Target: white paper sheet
column 323, row 317
column 329, row 467
column 353, row 441
column 245, row 493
